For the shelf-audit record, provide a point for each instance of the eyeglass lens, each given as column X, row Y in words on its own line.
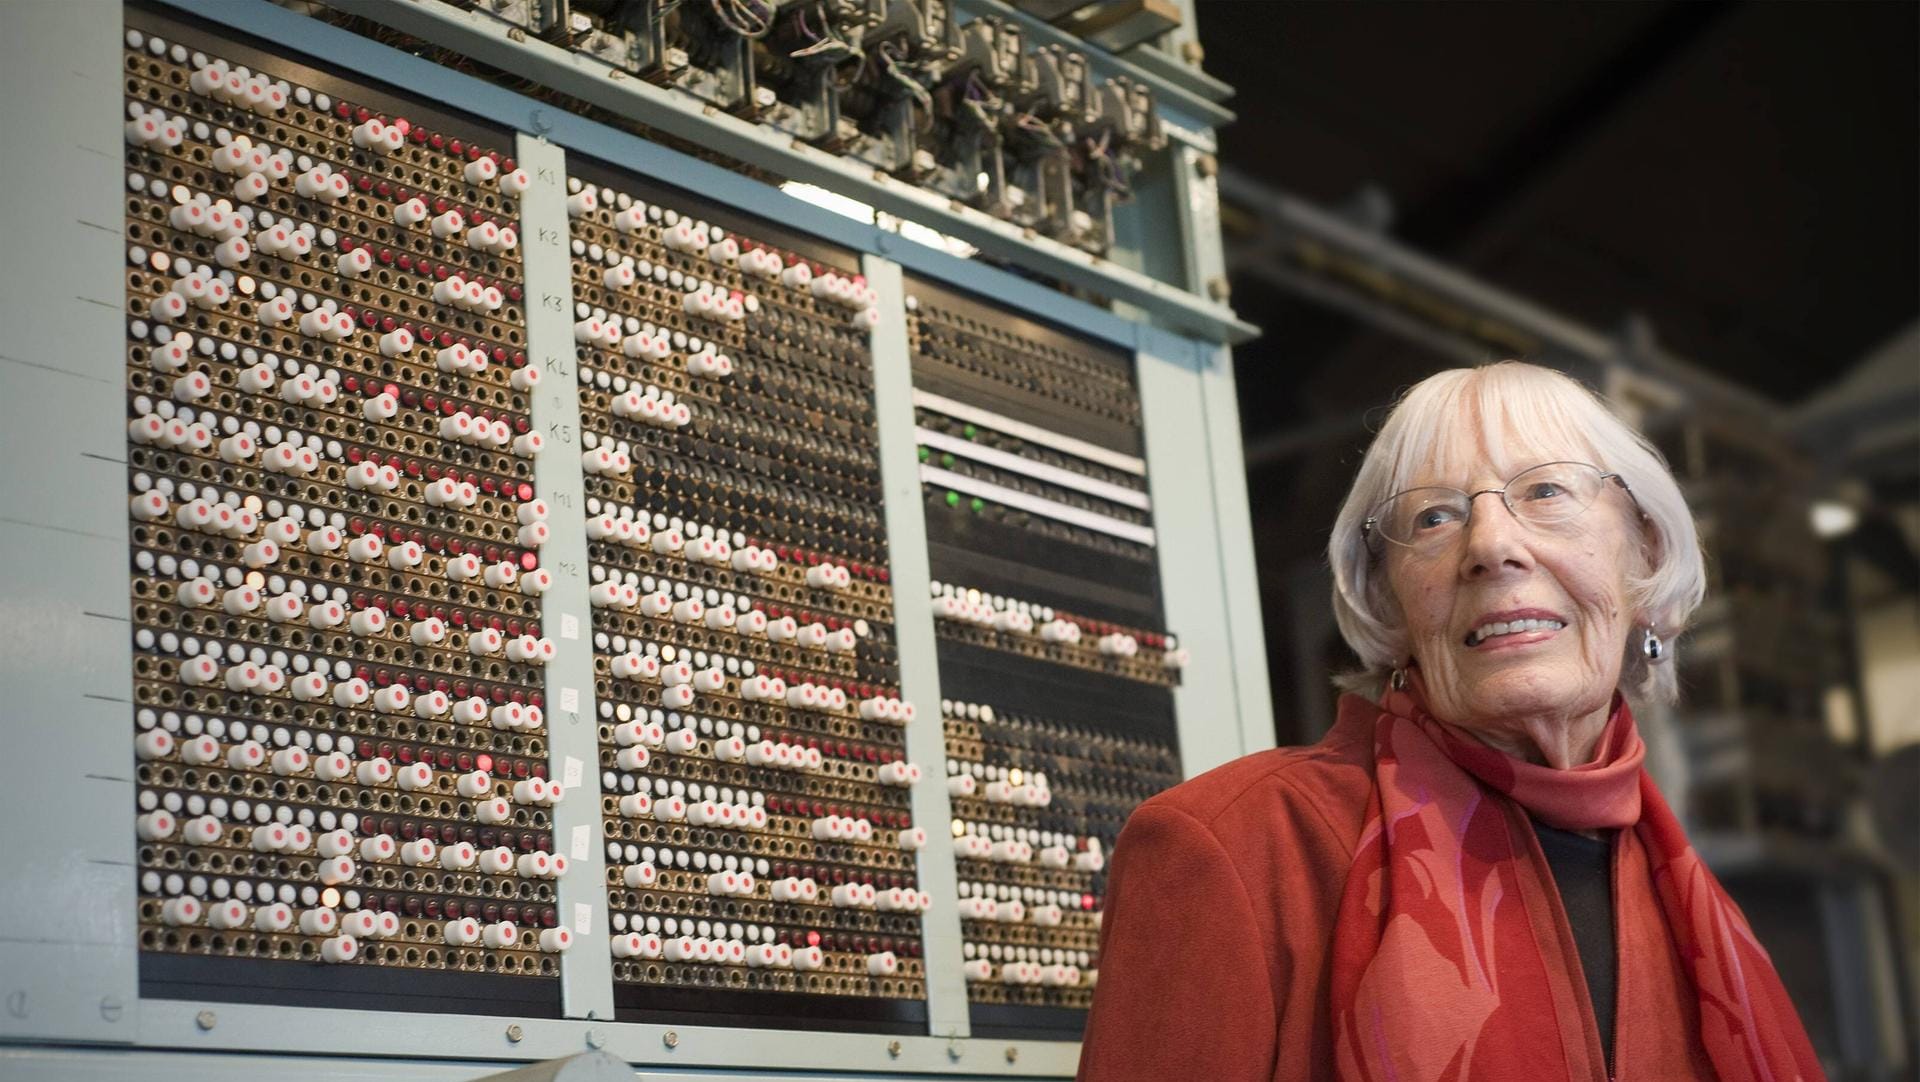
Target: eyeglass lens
column 1543, row 495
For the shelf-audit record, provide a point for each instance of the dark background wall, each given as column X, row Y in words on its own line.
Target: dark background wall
column 1744, row 176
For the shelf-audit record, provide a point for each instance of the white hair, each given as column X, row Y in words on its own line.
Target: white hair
column 1523, row 414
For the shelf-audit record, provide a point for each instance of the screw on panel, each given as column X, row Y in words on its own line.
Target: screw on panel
column 1192, row 52
column 205, row 1019
column 893, row 1049
column 515, row 1033
column 1206, row 165
column 111, row 1008
column 670, row 1039
column 1013, row 1054
column 1218, row 288
column 596, row 1039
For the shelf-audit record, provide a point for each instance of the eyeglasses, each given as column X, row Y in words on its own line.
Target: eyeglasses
column 1545, row 495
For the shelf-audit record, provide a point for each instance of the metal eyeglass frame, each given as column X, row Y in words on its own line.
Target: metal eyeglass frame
column 1369, row 528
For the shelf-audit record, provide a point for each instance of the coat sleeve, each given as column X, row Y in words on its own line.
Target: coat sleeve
column 1185, row 984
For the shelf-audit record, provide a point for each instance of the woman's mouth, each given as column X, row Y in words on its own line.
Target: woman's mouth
column 1496, row 629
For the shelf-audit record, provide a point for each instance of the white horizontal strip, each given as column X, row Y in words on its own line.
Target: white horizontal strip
column 1039, row 471
column 1032, row 433
column 1126, row 531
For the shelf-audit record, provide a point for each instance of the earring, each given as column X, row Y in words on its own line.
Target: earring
column 1397, row 680
column 1651, row 646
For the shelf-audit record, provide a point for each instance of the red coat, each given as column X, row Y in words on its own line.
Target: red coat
column 1219, row 921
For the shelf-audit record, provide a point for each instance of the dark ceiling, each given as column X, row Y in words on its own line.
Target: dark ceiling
column 1746, row 175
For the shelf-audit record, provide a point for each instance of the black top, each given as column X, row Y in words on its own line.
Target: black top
column 1583, row 870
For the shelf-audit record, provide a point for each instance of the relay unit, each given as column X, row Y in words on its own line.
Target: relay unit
column 515, row 625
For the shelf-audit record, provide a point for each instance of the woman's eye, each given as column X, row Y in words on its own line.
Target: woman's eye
column 1545, row 490
column 1432, row 518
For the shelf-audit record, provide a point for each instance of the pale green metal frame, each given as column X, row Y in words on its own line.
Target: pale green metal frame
column 69, row 1003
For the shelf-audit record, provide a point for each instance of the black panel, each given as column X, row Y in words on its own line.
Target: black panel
column 768, row 1010
column 218, row 979
column 971, row 673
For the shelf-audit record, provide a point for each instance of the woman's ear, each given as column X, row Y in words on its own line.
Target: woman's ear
column 1650, row 546
column 1649, row 552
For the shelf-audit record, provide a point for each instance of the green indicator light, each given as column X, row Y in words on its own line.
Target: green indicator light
column 969, row 431
column 978, row 505
column 947, row 461
column 925, row 454
column 953, row 499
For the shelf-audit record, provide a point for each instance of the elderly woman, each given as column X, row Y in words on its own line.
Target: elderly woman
column 1471, row 876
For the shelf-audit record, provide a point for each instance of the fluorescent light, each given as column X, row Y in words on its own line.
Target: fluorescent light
column 933, row 238
column 861, row 212
column 827, row 200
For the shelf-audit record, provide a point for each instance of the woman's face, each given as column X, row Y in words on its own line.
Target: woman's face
column 1498, row 570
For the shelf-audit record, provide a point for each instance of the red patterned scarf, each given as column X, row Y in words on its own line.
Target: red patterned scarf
column 1447, row 961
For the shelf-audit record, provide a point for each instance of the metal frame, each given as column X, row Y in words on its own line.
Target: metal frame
column 1207, row 562
column 1223, row 706
column 908, row 565
column 48, row 1064
column 586, row 973
column 68, row 952
column 67, row 900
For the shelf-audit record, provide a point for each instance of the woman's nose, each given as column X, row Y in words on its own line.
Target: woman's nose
column 1495, row 539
